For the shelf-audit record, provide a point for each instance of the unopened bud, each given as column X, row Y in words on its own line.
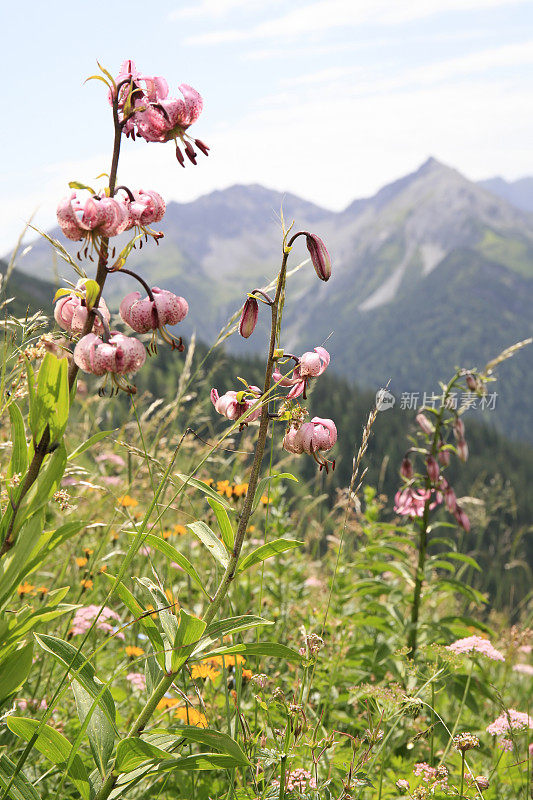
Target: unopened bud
column 462, row 450
column 249, row 315
column 424, row 423
column 432, row 469
column 480, row 781
column 319, row 256
column 462, row 519
column 459, row 428
column 406, row 470
column 471, row 382
column 450, row 500
column 444, row 457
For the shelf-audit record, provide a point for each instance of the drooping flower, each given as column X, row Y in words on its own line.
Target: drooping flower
column 118, row 356
column 82, row 215
column 146, row 208
column 234, row 404
column 145, row 109
column 476, row 644
column 249, row 316
column 319, row 256
column 70, row 312
column 148, row 314
column 312, row 437
column 411, row 502
column 309, row 365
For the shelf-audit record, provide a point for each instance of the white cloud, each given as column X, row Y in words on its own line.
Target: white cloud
column 325, row 15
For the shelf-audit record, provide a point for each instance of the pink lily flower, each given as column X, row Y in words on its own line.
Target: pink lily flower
column 82, row 215
column 312, row 437
column 118, row 356
column 310, row 365
column 70, row 313
column 146, row 208
column 165, row 308
column 411, row 502
column 234, row 404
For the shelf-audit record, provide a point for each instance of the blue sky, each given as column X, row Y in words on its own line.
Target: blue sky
column 329, row 99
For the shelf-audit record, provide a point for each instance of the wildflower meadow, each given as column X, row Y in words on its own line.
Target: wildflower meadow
column 202, row 596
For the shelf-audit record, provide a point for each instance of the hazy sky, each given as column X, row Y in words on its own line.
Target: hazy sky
column 329, row 99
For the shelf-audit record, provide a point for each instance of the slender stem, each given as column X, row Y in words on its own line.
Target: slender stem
column 42, row 448
column 462, row 774
column 229, row 574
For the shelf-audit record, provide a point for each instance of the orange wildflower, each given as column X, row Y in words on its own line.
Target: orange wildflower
column 179, row 530
column 128, row 502
column 132, row 651
column 265, row 500
column 25, row 588
column 80, row 561
column 204, row 670
column 247, row 674
column 190, row 716
column 86, row 583
column 224, row 488
column 167, row 534
column 167, row 702
column 240, row 489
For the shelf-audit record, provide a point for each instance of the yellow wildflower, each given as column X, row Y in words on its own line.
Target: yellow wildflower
column 167, row 534
column 204, row 670
column 80, row 561
column 167, row 702
column 247, row 674
column 190, row 716
column 240, row 489
column 127, row 502
column 229, row 660
column 86, row 583
column 132, row 651
column 265, row 500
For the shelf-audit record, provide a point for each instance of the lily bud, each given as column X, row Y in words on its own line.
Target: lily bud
column 471, row 382
column 406, row 470
column 444, row 455
column 462, row 519
column 462, row 450
column 249, row 315
column 432, row 469
column 319, row 256
column 450, row 500
column 424, row 423
column 459, row 428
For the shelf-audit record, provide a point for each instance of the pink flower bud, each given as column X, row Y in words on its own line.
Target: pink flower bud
column 424, row 423
column 120, row 355
column 462, row 519
column 459, row 428
column 432, row 469
column 471, row 382
column 450, row 500
column 249, row 316
column 319, row 256
column 146, row 208
column 462, row 449
column 444, row 456
column 406, row 470
column 71, row 315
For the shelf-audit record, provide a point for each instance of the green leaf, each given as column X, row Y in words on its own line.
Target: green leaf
column 263, row 483
column 224, row 523
column 267, row 551
column 187, row 638
column 219, row 741
column 21, row 788
column 99, row 730
column 55, row 747
column 96, row 437
column 201, row 761
column 15, row 669
column 152, row 672
column 203, row 487
column 204, row 533
column 77, row 184
column 81, row 670
column 133, row 752
column 92, row 290
column 145, row 621
column 52, row 397
column 169, row 621
column 170, row 552
column 19, row 455
column 216, row 630
column 271, row 649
